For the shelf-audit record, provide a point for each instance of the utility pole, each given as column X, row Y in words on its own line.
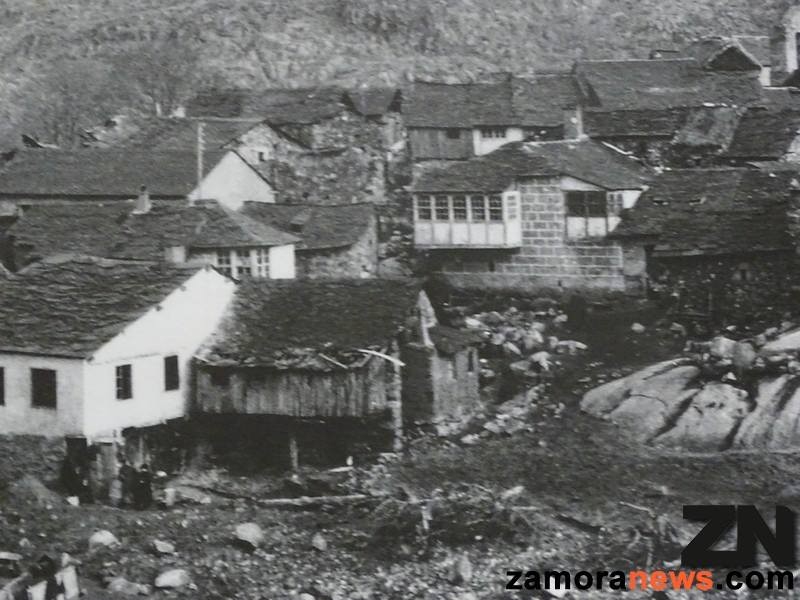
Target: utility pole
column 200, row 149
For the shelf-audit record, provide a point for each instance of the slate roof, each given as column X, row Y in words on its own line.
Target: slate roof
column 276, row 106
column 81, row 228
column 712, row 126
column 102, row 172
column 494, row 172
column 71, row 306
column 181, row 134
column 759, row 46
column 662, row 83
column 374, row 101
column 764, row 134
column 634, row 123
column 287, row 324
column 707, row 50
column 524, row 102
column 204, row 225
column 780, row 98
column 318, row 226
column 713, row 211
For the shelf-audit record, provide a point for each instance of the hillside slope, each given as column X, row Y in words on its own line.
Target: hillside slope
column 268, row 42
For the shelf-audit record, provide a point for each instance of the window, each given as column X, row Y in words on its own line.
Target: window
column 495, row 208
column 478, row 206
column 459, row 208
column 220, row 377
column 493, row 132
column 172, row 373
column 124, row 384
column 454, row 134
column 424, row 212
column 262, row 262
column 471, row 361
column 587, row 214
column 442, row 207
column 2, row 386
column 224, row 261
column 243, row 266
column 43, row 388
column 615, row 203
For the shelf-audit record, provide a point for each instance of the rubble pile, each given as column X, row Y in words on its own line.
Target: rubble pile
column 721, row 394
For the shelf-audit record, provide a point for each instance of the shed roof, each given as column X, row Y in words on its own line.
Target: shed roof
column 586, row 160
column 318, row 226
column 764, row 134
column 102, row 172
column 70, row 306
column 287, row 324
column 713, row 211
column 663, row 83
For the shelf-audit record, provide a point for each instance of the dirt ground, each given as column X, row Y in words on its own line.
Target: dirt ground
column 592, row 494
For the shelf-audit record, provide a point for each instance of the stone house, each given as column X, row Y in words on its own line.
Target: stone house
column 92, row 347
column 739, row 53
column 204, row 232
column 459, row 121
column 335, row 241
column 531, row 215
column 52, row 176
column 322, row 359
column 719, row 240
column 765, row 135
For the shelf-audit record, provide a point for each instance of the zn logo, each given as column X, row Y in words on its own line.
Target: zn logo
column 750, row 529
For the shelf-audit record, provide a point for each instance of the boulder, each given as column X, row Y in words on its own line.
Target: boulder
column 249, row 535
column 787, row 342
column 722, row 347
column 638, row 328
column 744, row 355
column 755, row 430
column 102, row 539
column 319, row 543
column 120, row 585
column 605, row 398
column 461, row 570
column 162, row 547
column 709, row 421
column 174, row 578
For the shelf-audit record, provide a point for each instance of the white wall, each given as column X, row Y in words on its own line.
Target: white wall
column 177, row 327
column 232, row 182
column 17, row 416
column 791, row 23
column 484, row 145
column 281, row 262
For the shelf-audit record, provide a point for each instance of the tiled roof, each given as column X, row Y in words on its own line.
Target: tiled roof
column 708, row 50
column 374, row 101
column 102, row 172
column 205, row 225
column 534, row 101
column 276, row 106
column 181, row 134
column 71, row 306
column 318, row 226
column 713, row 126
column 586, row 160
column 764, row 134
column 663, row 83
column 287, row 324
column 634, row 123
column 82, row 228
column 713, row 211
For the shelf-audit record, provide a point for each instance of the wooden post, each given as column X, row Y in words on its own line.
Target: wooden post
column 294, row 456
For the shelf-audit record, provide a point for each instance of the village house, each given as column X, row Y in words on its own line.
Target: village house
column 92, row 347
column 326, row 360
column 53, row 176
column 203, row 231
column 719, row 240
column 335, row 241
column 531, row 214
column 739, row 53
column 458, row 121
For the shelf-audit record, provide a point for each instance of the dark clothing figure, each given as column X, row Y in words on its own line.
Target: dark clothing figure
column 70, row 477
column 143, row 489
column 577, row 309
column 127, row 476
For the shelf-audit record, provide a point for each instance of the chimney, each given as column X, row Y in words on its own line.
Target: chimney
column 143, row 204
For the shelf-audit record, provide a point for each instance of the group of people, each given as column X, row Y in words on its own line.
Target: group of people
column 131, row 487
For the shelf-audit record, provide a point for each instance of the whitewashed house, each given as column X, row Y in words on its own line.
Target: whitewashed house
column 91, row 347
column 50, row 175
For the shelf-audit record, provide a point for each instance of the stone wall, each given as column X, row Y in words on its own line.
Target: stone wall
column 547, row 258
column 358, row 260
column 30, row 455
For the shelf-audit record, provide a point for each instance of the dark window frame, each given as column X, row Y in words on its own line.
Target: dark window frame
column 587, row 205
column 44, row 388
column 124, row 381
column 172, row 373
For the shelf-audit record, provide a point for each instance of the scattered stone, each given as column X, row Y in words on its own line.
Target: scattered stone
column 470, row 439
column 461, row 570
column 30, row 490
column 249, row 535
column 678, row 329
column 512, row 493
column 305, row 596
column 744, row 355
column 162, row 547
column 722, row 347
column 174, row 578
column 638, row 328
column 319, row 543
column 102, row 539
column 120, row 585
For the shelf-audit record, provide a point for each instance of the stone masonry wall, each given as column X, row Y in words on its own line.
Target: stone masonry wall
column 358, row 260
